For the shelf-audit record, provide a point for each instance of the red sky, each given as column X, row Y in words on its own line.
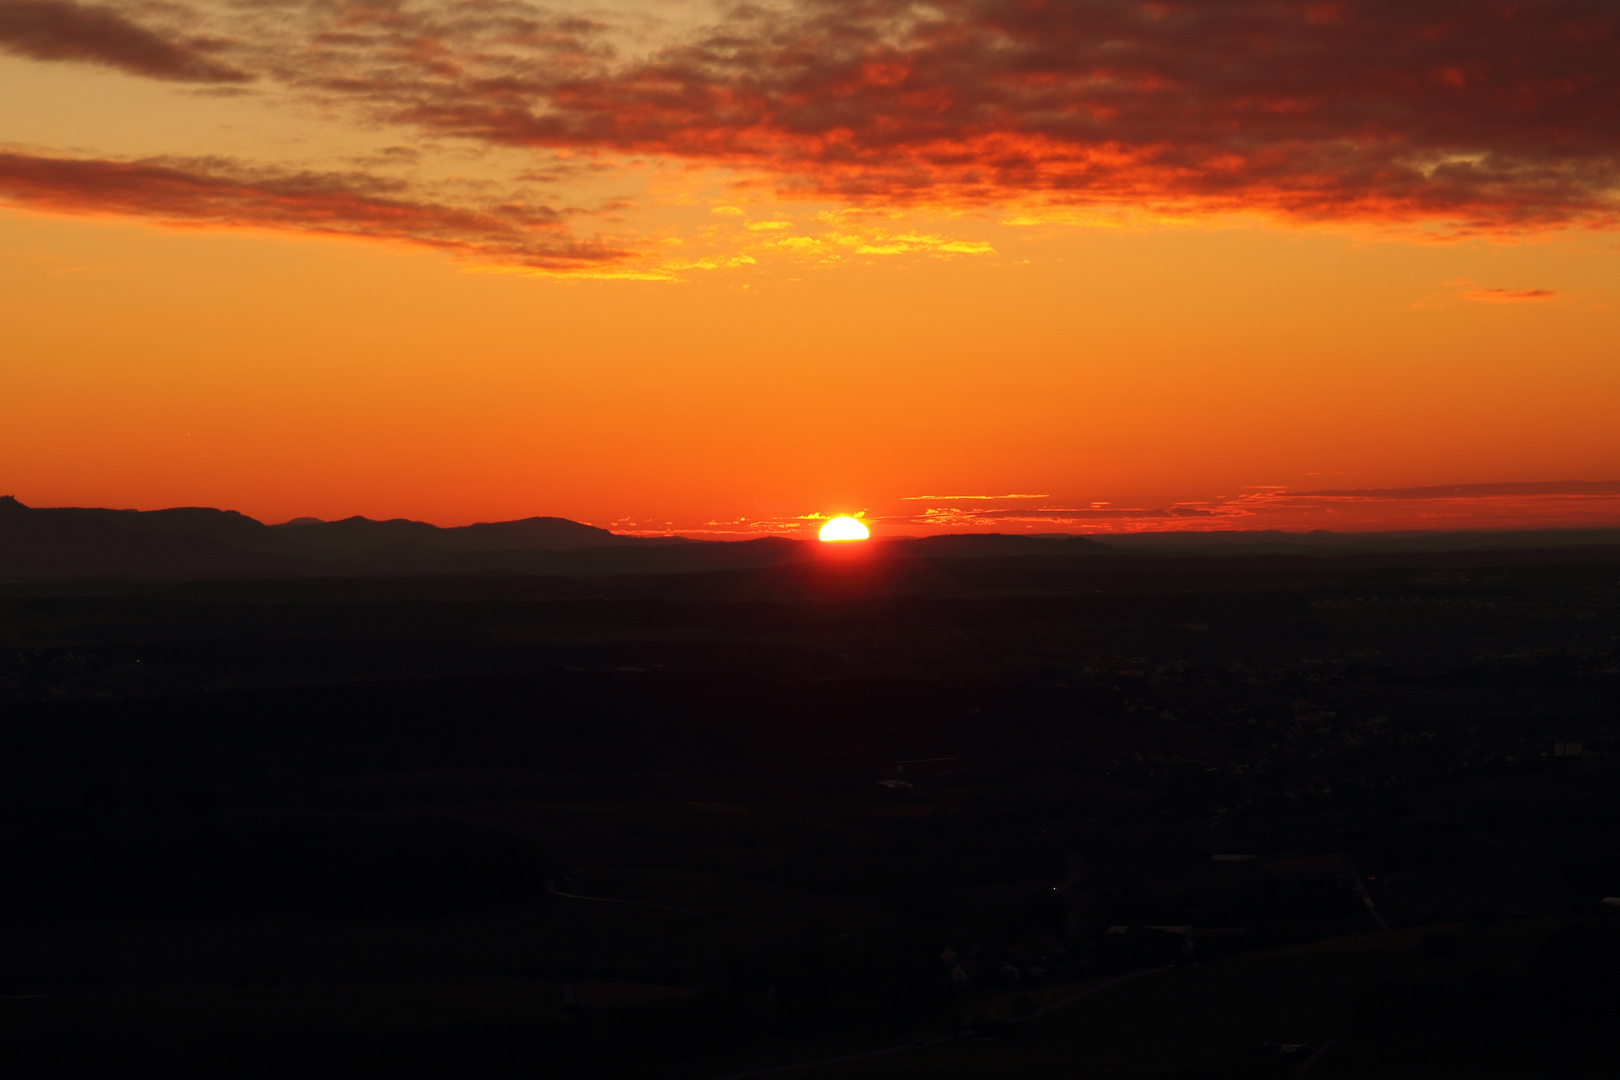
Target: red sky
column 670, row 264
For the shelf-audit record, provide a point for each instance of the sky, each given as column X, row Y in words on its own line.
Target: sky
column 730, row 269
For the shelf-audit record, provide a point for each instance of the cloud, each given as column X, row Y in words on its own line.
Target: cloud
column 1535, row 504
column 64, row 30
column 1444, row 114
column 966, row 498
column 955, row 515
column 1510, row 296
column 1511, row 505
column 1486, row 506
column 1472, row 491
column 1490, row 117
column 223, row 194
column 1479, row 117
column 905, row 243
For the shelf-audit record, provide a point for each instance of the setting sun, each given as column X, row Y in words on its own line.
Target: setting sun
column 843, row 528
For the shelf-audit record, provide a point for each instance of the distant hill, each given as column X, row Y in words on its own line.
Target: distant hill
column 200, row 543
column 64, row 544
column 357, row 534
column 229, row 527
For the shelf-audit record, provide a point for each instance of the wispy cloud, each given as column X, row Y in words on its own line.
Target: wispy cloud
column 1478, row 506
column 1053, row 515
column 968, row 498
column 218, row 193
column 1567, row 503
column 1510, row 296
column 1548, row 488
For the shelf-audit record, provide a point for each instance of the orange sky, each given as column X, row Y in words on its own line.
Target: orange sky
column 654, row 266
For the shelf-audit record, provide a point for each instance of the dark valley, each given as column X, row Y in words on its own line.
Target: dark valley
column 966, row 806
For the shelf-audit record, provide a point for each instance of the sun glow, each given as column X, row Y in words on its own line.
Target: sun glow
column 843, row 528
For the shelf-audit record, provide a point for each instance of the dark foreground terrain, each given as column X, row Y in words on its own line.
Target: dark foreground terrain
column 957, row 811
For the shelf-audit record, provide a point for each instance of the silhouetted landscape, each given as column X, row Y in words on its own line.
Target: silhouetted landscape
column 360, row 797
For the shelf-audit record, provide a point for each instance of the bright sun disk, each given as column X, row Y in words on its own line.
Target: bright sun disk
column 843, row 528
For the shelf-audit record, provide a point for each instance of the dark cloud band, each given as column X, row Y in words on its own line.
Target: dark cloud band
column 64, row 30
column 222, row 194
column 1489, row 116
column 1486, row 117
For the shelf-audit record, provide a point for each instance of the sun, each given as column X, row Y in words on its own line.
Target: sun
column 843, row 528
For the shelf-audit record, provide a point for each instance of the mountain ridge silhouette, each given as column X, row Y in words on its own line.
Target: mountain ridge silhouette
column 201, row 543
column 94, row 543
